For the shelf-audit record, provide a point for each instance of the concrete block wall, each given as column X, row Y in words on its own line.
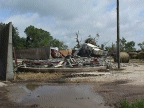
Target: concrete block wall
column 6, row 63
column 42, row 53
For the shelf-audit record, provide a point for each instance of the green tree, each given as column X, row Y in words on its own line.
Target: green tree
column 122, row 44
column 2, row 25
column 18, row 42
column 59, row 44
column 102, row 46
column 130, row 46
column 39, row 38
column 111, row 49
column 141, row 45
column 126, row 46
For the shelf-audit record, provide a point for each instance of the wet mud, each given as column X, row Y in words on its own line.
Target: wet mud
column 117, row 91
column 63, row 96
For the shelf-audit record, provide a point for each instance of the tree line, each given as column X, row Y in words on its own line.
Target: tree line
column 125, row 46
column 35, row 38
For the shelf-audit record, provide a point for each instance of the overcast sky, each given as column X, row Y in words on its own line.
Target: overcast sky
column 63, row 18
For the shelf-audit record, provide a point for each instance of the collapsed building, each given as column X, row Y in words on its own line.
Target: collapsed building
column 87, row 55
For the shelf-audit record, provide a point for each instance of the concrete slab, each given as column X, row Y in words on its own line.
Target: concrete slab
column 2, row 84
column 86, row 69
column 91, row 73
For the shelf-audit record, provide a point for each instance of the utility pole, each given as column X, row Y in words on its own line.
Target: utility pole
column 118, row 40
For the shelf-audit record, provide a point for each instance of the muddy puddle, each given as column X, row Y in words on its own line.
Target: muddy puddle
column 60, row 96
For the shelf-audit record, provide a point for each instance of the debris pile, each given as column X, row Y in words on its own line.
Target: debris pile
column 87, row 55
column 88, row 50
column 68, row 61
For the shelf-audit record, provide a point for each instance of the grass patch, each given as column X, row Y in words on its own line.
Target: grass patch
column 126, row 73
column 137, row 104
column 116, row 69
column 103, row 70
column 30, row 76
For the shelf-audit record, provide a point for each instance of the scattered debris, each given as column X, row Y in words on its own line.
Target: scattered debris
column 2, row 84
column 87, row 55
column 68, row 61
column 89, row 74
column 88, row 50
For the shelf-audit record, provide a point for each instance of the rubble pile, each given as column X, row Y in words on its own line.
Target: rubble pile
column 87, row 55
column 68, row 61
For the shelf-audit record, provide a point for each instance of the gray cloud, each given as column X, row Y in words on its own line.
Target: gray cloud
column 64, row 18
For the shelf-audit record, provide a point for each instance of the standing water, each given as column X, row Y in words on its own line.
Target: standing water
column 61, row 96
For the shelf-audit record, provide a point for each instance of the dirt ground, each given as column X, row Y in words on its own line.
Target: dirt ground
column 6, row 103
column 115, row 87
column 127, row 83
